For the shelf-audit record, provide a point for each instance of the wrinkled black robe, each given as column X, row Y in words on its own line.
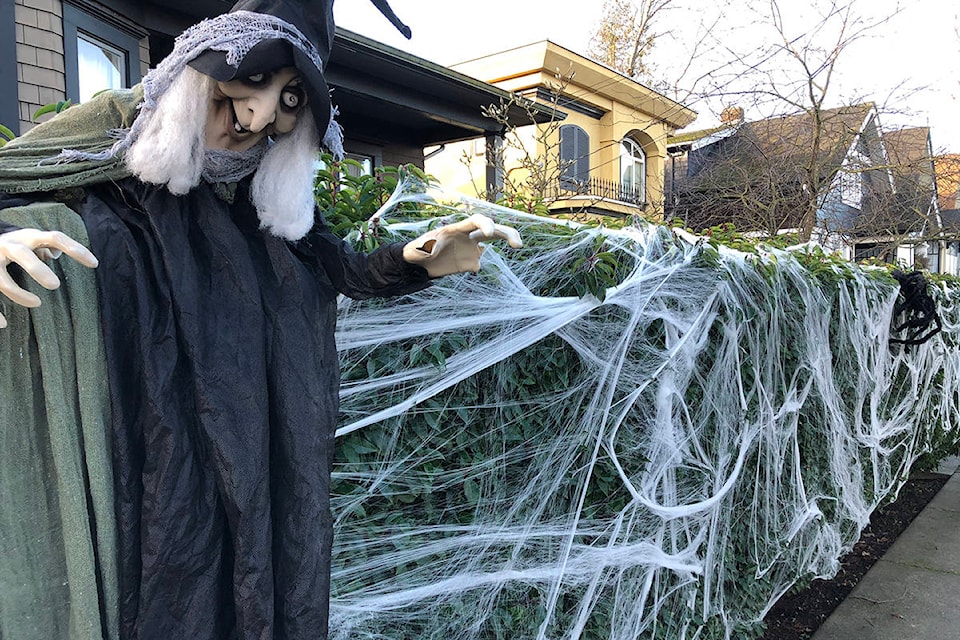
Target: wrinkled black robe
column 223, row 388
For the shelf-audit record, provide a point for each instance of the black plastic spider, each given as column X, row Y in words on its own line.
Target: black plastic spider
column 919, row 309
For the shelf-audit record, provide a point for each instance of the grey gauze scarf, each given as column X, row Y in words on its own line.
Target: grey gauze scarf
column 224, row 165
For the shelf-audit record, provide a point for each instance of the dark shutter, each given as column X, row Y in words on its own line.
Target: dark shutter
column 574, row 157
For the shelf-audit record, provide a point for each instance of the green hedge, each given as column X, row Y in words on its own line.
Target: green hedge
column 619, row 434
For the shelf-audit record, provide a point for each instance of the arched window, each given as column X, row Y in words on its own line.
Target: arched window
column 633, row 172
column 574, row 157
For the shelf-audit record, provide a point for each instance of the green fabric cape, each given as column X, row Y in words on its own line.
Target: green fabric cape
column 58, row 568
column 27, row 163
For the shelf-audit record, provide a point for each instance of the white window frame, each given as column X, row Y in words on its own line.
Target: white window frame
column 632, row 156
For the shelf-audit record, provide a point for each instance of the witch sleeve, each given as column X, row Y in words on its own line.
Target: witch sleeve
column 381, row 273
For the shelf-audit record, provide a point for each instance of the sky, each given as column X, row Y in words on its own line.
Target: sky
column 909, row 64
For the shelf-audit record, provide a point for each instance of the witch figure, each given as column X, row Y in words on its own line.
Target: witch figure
column 167, row 419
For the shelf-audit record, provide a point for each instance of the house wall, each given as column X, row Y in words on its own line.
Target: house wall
column 906, row 255
column 447, row 165
column 462, row 166
column 42, row 54
column 618, row 122
column 608, row 107
column 40, row 60
column 624, row 122
column 394, row 155
column 9, row 105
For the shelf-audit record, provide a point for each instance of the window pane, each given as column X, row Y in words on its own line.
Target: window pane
column 365, row 168
column 100, row 66
column 632, row 172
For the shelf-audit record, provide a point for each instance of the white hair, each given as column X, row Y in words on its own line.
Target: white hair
column 169, row 151
column 283, row 186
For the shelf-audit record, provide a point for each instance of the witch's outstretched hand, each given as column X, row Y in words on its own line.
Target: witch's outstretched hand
column 29, row 248
column 456, row 248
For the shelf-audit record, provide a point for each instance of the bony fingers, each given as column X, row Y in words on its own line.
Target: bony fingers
column 46, row 278
column 484, row 229
column 36, row 269
column 503, row 232
column 48, row 254
column 51, row 244
column 82, row 255
column 511, row 235
column 61, row 243
column 483, row 224
column 13, row 291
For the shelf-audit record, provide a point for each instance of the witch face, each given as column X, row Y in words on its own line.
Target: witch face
column 246, row 110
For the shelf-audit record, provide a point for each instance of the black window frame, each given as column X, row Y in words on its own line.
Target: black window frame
column 75, row 21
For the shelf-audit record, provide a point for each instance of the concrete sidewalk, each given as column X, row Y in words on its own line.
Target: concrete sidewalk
column 913, row 591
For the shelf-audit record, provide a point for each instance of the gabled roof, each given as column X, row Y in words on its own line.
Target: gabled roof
column 910, row 157
column 832, row 130
column 693, row 137
column 908, row 147
column 785, row 140
column 760, row 172
column 790, row 135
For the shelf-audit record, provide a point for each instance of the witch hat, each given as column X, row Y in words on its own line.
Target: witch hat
column 314, row 20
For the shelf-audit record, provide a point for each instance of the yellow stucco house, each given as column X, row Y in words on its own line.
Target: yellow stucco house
column 603, row 154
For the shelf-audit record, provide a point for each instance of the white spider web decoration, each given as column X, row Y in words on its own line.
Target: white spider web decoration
column 515, row 462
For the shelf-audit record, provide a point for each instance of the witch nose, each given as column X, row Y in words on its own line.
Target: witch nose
column 263, row 112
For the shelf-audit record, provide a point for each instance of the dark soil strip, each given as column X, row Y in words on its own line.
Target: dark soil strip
column 796, row 616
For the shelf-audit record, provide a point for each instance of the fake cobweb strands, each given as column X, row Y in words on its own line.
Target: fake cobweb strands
column 518, row 459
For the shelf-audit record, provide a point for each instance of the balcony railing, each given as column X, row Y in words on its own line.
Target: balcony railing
column 597, row 188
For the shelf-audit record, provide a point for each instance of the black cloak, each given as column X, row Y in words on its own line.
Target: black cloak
column 223, row 382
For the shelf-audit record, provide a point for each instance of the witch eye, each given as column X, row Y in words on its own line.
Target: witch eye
column 292, row 97
column 256, row 78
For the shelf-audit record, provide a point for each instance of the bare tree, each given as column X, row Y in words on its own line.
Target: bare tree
column 626, row 34
column 784, row 171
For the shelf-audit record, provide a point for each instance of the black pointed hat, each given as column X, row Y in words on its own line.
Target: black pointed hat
column 314, row 20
